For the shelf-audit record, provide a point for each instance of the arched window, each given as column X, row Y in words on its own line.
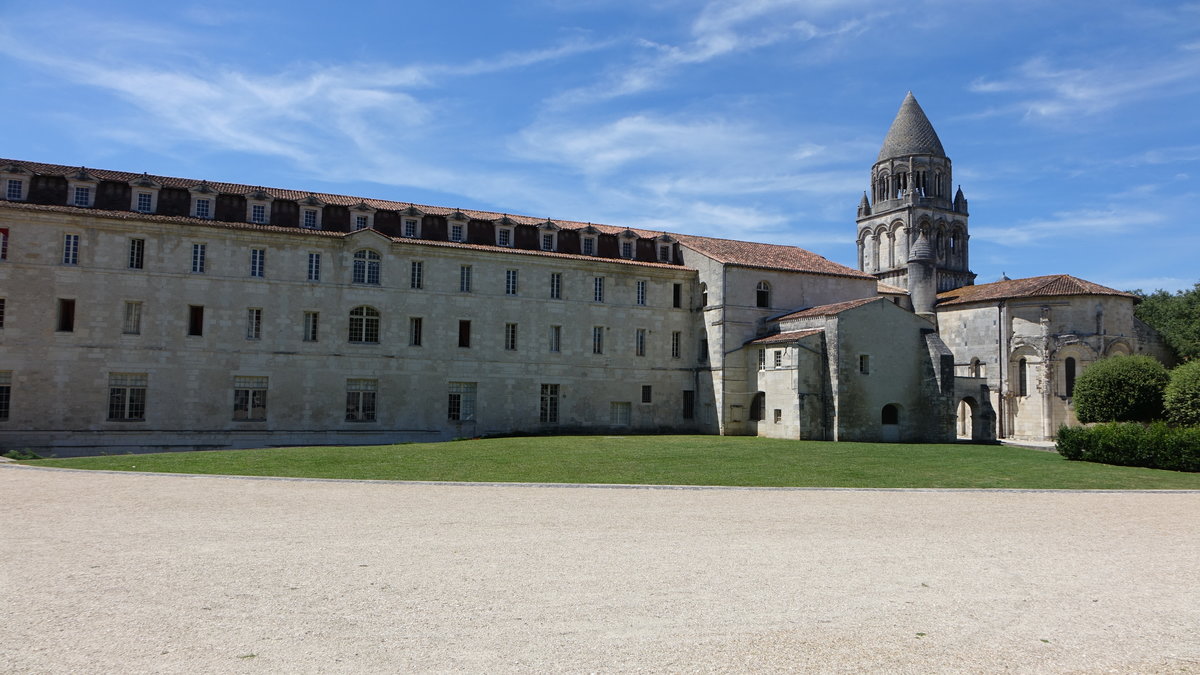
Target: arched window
column 1022, row 378
column 762, row 294
column 364, row 325
column 1069, row 366
column 703, row 295
column 975, row 368
column 366, row 267
column 889, row 415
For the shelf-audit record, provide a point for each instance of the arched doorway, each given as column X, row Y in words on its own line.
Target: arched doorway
column 889, row 423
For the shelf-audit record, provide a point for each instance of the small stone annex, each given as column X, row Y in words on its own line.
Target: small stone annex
column 152, row 312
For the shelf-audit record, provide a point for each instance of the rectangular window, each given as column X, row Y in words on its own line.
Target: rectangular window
column 619, row 413
column 360, row 400
column 137, row 254
column 16, row 190
column 314, row 266
column 195, row 320
column 361, row 222
column 762, row 359
column 1, row 313
column 641, row 292
column 677, row 295
column 464, row 279
column 258, row 213
column 133, row 318
column 127, row 397
column 461, row 406
column 464, row 333
column 664, row 253
column 414, row 331
column 555, row 339
column 639, row 342
column 410, row 228
column 456, row 232
column 417, row 278
column 70, row 252
column 5, row 393
column 3, row 243
column 66, row 315
column 702, row 357
column 627, row 249
column 589, row 246
column 145, row 202
column 258, row 261
column 198, row 255
column 598, row 289
column 547, row 242
column 647, row 393
column 689, row 404
column 249, row 398
column 864, row 364
column 549, row 404
column 597, row 339
column 510, row 282
column 778, row 358
column 504, row 237
column 310, row 219
column 556, row 285
column 83, row 196
column 312, row 321
column 254, row 323
column 778, row 416
column 510, row 337
column 676, row 340
column 204, row 208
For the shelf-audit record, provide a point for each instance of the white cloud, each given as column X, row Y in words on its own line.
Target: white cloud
column 1086, row 222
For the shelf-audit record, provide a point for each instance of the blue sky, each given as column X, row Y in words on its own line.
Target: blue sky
column 1072, row 125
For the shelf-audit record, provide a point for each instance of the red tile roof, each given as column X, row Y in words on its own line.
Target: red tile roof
column 767, row 256
column 888, row 288
column 791, row 336
column 830, row 310
column 1032, row 287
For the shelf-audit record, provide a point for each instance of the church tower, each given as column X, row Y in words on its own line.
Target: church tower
column 910, row 199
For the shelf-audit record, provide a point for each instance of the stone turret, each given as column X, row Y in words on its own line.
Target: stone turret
column 909, row 197
column 922, row 277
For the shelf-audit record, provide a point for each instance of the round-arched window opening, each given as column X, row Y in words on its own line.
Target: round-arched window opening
column 890, row 415
column 763, row 294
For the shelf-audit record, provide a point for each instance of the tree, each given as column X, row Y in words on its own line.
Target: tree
column 1176, row 317
column 1121, row 389
column 1182, row 395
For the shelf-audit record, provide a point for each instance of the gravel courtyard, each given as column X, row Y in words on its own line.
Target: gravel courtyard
column 105, row 572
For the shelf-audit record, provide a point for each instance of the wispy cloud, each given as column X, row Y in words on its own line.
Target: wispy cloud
column 1042, row 89
column 1087, row 222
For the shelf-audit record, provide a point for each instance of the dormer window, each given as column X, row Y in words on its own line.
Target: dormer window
column 456, row 232
column 664, row 253
column 362, row 217
column 14, row 180
column 310, row 220
column 258, row 207
column 587, row 245
column 504, row 236
column 412, row 228
column 81, row 189
column 628, row 244
column 204, row 200
column 311, row 209
column 549, row 236
column 143, row 196
column 457, row 226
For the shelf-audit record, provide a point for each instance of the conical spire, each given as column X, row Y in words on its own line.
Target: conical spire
column 921, row 251
column 911, row 133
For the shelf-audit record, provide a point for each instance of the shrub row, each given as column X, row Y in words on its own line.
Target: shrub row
column 1156, row 445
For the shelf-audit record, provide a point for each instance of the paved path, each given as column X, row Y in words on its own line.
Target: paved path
column 144, row 573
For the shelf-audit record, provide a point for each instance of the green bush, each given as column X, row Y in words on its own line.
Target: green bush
column 1182, row 395
column 1121, row 389
column 1156, row 446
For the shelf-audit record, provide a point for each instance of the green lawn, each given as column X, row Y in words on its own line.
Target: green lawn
column 663, row 460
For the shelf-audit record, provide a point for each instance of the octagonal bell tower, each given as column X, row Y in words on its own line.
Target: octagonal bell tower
column 910, row 197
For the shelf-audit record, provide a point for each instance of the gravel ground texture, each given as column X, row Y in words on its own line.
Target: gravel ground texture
column 108, row 572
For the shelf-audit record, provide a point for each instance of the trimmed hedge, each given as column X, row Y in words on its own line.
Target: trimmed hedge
column 1155, row 446
column 1182, row 395
column 1121, row 389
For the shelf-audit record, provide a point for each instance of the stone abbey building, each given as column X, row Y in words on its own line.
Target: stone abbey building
column 141, row 311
